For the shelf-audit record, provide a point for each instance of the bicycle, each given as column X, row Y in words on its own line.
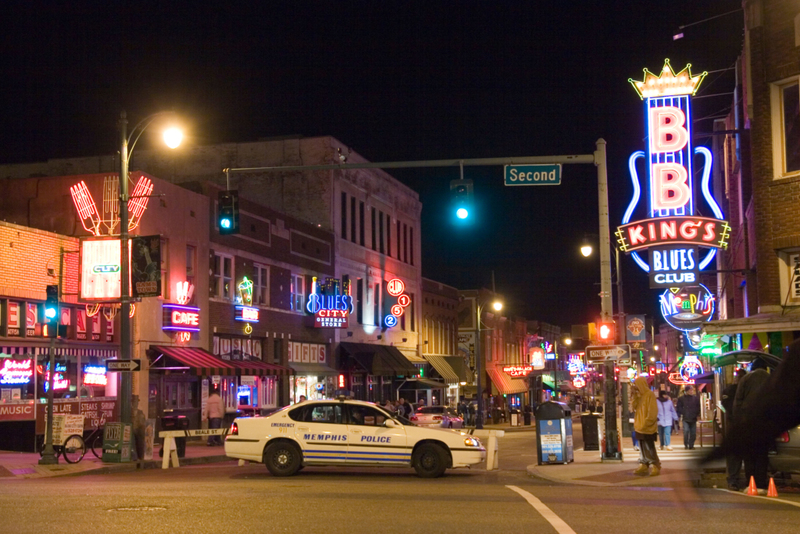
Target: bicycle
column 72, row 449
column 95, row 442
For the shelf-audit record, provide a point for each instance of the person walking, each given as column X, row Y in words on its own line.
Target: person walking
column 689, row 409
column 750, row 387
column 462, row 411
column 214, row 412
column 646, row 427
column 471, row 408
column 666, row 417
column 733, row 460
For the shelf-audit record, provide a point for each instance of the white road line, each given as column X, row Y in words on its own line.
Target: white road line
column 770, row 499
column 558, row 523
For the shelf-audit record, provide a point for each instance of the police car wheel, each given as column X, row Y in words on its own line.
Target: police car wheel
column 430, row 460
column 282, row 458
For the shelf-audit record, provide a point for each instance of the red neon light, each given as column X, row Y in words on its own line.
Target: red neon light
column 16, row 372
column 395, row 287
column 183, row 337
column 518, row 370
column 333, row 313
column 341, row 381
column 397, row 310
column 669, row 133
column 249, row 314
column 185, row 318
column 137, row 203
column 673, row 231
column 404, row 300
column 95, row 379
column 670, row 190
column 87, row 210
column 184, row 291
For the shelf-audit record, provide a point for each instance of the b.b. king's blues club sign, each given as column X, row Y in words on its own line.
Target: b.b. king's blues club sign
column 677, row 229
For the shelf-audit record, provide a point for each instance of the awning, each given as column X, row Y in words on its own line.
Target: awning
column 422, row 383
column 379, row 360
column 311, row 369
column 411, row 355
column 762, row 322
column 458, row 365
column 745, row 356
column 203, row 363
column 505, row 384
column 444, row 369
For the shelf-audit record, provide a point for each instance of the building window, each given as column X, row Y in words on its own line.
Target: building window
column 261, row 285
column 374, row 233
column 411, row 242
column 790, row 277
column 222, row 276
column 790, row 104
column 388, row 235
column 298, row 292
column 399, row 240
column 353, row 219
column 380, row 231
column 361, row 223
column 344, row 215
column 165, row 268
column 191, row 264
column 376, row 299
column 405, row 243
column 360, row 301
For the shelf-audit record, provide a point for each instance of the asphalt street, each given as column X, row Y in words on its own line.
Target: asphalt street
column 226, row 497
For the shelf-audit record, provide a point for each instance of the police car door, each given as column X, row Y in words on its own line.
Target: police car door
column 373, row 443
column 322, row 433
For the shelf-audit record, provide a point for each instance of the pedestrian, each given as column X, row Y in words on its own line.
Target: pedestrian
column 301, row 399
column 471, row 414
column 388, row 406
column 689, row 410
column 635, row 441
column 733, row 460
column 646, row 427
column 750, row 387
column 421, row 402
column 213, row 413
column 666, row 417
column 403, row 408
column 462, row 411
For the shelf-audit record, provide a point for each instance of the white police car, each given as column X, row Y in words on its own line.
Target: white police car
column 350, row 433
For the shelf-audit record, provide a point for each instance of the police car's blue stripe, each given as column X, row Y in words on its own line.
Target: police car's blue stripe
column 381, row 453
column 373, row 459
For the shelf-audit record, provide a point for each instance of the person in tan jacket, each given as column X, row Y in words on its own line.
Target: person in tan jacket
column 645, row 424
column 214, row 412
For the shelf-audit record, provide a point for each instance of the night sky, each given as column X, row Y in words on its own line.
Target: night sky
column 395, row 81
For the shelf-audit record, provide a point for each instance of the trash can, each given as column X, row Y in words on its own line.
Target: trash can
column 175, row 422
column 591, row 435
column 515, row 418
column 527, row 415
column 554, row 433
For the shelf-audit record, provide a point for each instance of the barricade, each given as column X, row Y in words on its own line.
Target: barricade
column 492, row 448
column 169, row 450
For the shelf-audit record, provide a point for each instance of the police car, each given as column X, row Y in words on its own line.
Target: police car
column 350, row 433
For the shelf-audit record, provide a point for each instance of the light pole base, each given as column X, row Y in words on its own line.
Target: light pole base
column 48, row 457
column 613, row 458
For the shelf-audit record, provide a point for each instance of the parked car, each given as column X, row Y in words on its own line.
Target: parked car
column 439, row 416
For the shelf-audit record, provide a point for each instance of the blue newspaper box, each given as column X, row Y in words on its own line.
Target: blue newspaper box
column 554, row 433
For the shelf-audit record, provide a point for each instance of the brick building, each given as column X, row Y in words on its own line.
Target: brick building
column 759, row 166
column 439, row 334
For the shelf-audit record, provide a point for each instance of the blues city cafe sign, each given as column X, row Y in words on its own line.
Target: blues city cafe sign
column 684, row 241
column 330, row 305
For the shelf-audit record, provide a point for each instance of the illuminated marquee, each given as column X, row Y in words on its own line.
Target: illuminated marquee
column 395, row 288
column 100, row 272
column 687, row 308
column 16, row 372
column 517, row 370
column 245, row 313
column 672, row 217
column 95, row 375
column 180, row 318
column 690, row 368
column 330, row 306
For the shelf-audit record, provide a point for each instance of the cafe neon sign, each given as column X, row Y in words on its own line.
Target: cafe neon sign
column 181, row 318
column 516, row 371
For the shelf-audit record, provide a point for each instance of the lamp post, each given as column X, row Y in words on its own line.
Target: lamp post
column 497, row 305
column 172, row 138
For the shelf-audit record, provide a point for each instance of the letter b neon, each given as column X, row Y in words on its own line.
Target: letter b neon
column 668, row 133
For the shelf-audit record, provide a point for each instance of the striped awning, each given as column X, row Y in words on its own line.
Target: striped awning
column 203, row 363
column 505, row 384
column 15, row 350
column 443, row 368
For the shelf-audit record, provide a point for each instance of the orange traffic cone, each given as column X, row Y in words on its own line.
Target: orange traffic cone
column 772, row 491
column 751, row 489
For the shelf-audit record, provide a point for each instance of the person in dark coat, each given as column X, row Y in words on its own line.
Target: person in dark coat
column 773, row 411
column 689, row 409
column 756, row 459
column 733, row 461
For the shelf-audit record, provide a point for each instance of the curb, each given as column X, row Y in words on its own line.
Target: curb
column 536, row 471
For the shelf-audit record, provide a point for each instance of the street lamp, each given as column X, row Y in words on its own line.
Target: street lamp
column 172, row 138
column 497, row 306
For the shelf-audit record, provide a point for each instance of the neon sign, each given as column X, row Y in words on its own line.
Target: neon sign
column 184, row 291
column 690, row 368
column 100, row 270
column 245, row 313
column 672, row 218
column 395, row 288
column 687, row 308
column 536, row 356
column 16, row 372
column 181, row 318
column 517, row 370
column 95, row 375
column 575, row 365
column 87, row 209
column 59, row 380
column 578, row 381
column 330, row 306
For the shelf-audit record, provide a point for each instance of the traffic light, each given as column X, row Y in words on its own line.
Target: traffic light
column 606, row 332
column 461, row 195
column 228, row 212
column 51, row 310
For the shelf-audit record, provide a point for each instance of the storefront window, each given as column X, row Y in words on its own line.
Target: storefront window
column 17, row 379
column 65, row 378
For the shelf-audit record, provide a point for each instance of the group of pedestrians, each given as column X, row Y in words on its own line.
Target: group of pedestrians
column 399, row 407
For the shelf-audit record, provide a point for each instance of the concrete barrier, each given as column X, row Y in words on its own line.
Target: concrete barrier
column 169, row 450
column 492, row 448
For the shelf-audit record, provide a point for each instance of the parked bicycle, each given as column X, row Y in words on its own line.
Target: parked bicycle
column 95, row 442
column 72, row 448
column 68, row 442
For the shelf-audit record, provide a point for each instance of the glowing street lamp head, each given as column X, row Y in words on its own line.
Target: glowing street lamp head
column 173, row 137
column 497, row 305
column 586, row 250
column 568, row 341
column 462, row 213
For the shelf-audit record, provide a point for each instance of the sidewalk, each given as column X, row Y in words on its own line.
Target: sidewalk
column 16, row 465
column 679, row 467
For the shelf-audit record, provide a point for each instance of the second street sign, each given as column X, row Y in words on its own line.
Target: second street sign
column 547, row 174
column 607, row 353
column 123, row 365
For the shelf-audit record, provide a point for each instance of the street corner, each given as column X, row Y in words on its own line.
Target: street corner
column 616, row 474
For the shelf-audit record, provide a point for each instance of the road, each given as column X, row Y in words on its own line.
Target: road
column 229, row 498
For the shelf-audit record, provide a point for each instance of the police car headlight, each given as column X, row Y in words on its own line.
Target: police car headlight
column 472, row 442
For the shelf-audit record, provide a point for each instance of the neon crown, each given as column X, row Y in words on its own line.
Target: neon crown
column 668, row 83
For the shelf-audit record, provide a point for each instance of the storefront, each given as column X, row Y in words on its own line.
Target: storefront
column 312, row 377
column 452, row 371
column 80, row 386
column 509, row 391
column 374, row 372
column 181, row 378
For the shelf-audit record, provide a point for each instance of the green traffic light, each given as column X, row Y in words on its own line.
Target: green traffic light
column 225, row 223
column 462, row 213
